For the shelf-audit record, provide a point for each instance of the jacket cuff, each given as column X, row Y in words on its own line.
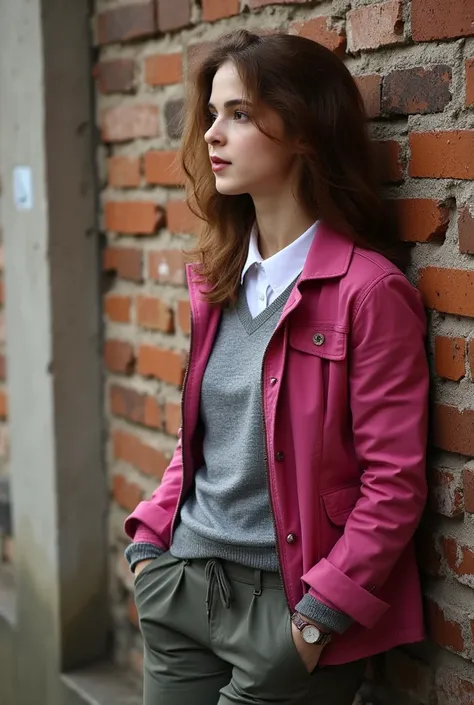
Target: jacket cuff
column 313, row 609
column 345, row 594
column 137, row 552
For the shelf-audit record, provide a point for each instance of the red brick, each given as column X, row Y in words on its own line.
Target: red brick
column 466, row 231
column 444, row 631
column 409, row 675
column 173, row 14
column 453, row 688
column 460, row 559
column 117, row 308
column 180, row 219
column 450, row 356
column 417, row 90
column 453, row 430
column 163, row 168
column 468, row 485
column 154, row 313
column 164, row 69
column 370, row 87
column 441, row 155
column 387, row 155
column 133, row 450
column 470, row 82
column 471, row 359
column 167, row 267
column 134, row 406
column 262, row 3
column 373, row 26
column 126, row 494
column 435, row 19
column 124, row 172
column 116, row 76
column 119, row 356
column 446, row 492
column 420, row 219
column 132, row 217
column 184, row 316
column 3, row 367
column 172, row 418
column 448, row 290
column 125, row 261
column 167, row 365
column 319, row 30
column 123, row 123
column 3, row 404
column 2, row 292
column 121, row 24
column 217, row 9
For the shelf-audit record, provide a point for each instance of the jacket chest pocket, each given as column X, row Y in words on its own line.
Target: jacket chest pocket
column 324, row 340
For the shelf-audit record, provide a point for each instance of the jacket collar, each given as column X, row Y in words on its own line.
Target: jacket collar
column 329, row 256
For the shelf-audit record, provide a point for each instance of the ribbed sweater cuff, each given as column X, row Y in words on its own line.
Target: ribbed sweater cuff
column 137, row 552
column 313, row 609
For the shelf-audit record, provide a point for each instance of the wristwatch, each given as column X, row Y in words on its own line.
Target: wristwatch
column 310, row 632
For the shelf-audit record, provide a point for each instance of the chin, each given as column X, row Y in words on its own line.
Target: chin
column 230, row 190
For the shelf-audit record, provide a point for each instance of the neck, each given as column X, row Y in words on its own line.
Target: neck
column 279, row 223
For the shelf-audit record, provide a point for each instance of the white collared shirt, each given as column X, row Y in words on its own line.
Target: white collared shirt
column 265, row 280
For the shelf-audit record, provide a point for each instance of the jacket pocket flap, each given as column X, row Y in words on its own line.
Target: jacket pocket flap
column 340, row 502
column 322, row 340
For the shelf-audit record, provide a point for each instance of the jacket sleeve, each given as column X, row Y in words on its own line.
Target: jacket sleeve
column 389, row 383
column 152, row 519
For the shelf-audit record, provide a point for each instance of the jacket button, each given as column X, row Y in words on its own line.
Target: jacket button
column 318, row 339
column 279, row 456
column 291, row 538
column 273, row 380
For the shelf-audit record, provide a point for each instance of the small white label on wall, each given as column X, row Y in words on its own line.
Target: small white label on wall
column 23, row 188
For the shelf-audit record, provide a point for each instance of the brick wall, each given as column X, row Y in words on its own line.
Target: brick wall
column 414, row 63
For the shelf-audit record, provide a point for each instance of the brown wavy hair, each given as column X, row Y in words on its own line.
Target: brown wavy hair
column 322, row 111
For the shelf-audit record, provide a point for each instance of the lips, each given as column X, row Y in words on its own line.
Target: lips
column 218, row 160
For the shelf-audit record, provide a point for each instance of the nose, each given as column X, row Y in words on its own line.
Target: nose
column 215, row 134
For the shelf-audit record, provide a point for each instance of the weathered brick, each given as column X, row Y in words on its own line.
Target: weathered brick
column 118, row 308
column 3, row 367
column 446, row 492
column 128, row 22
column 184, row 313
column 409, row 675
column 133, row 217
column 133, row 450
column 119, row 356
column 123, row 123
column 135, row 406
column 218, row 9
column 319, row 30
column 444, row 631
column 448, row 290
column 420, row 219
column 174, row 110
column 469, row 82
column 167, row 365
column 435, row 19
column 471, row 359
column 180, row 219
column 125, row 261
column 2, row 292
column 126, row 494
column 116, row 76
column 373, row 26
column 387, row 155
column 453, row 430
column 453, row 688
column 262, row 3
column 163, row 168
column 459, row 558
column 468, row 488
column 167, row 267
column 172, row 418
column 370, row 87
column 173, row 14
column 450, row 356
column 448, row 154
column 3, row 404
column 164, row 69
column 417, row 90
column 466, row 231
column 124, row 172
column 154, row 313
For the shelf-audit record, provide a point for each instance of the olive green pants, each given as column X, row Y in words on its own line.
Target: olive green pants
column 216, row 633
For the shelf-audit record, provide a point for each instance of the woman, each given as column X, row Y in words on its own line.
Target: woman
column 276, row 555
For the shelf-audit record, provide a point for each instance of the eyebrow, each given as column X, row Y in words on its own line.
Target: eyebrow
column 233, row 103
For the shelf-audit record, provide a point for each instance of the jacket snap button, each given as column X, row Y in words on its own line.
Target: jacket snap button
column 291, row 538
column 273, row 380
column 279, row 456
column 318, row 339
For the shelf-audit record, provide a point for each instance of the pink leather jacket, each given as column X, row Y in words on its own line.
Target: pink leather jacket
column 345, row 401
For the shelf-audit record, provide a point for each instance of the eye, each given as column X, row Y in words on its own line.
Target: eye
column 241, row 116
column 210, row 118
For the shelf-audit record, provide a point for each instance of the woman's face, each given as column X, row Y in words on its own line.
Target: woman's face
column 252, row 162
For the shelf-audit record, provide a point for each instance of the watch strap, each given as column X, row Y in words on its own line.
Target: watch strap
column 300, row 623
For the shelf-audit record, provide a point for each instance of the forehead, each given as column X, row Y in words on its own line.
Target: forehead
column 226, row 84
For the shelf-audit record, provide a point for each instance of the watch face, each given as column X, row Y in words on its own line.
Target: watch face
column 311, row 634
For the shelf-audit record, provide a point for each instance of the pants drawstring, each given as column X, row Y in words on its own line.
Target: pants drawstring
column 257, row 583
column 215, row 575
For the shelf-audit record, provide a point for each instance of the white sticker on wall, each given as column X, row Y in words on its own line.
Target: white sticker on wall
column 23, row 188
